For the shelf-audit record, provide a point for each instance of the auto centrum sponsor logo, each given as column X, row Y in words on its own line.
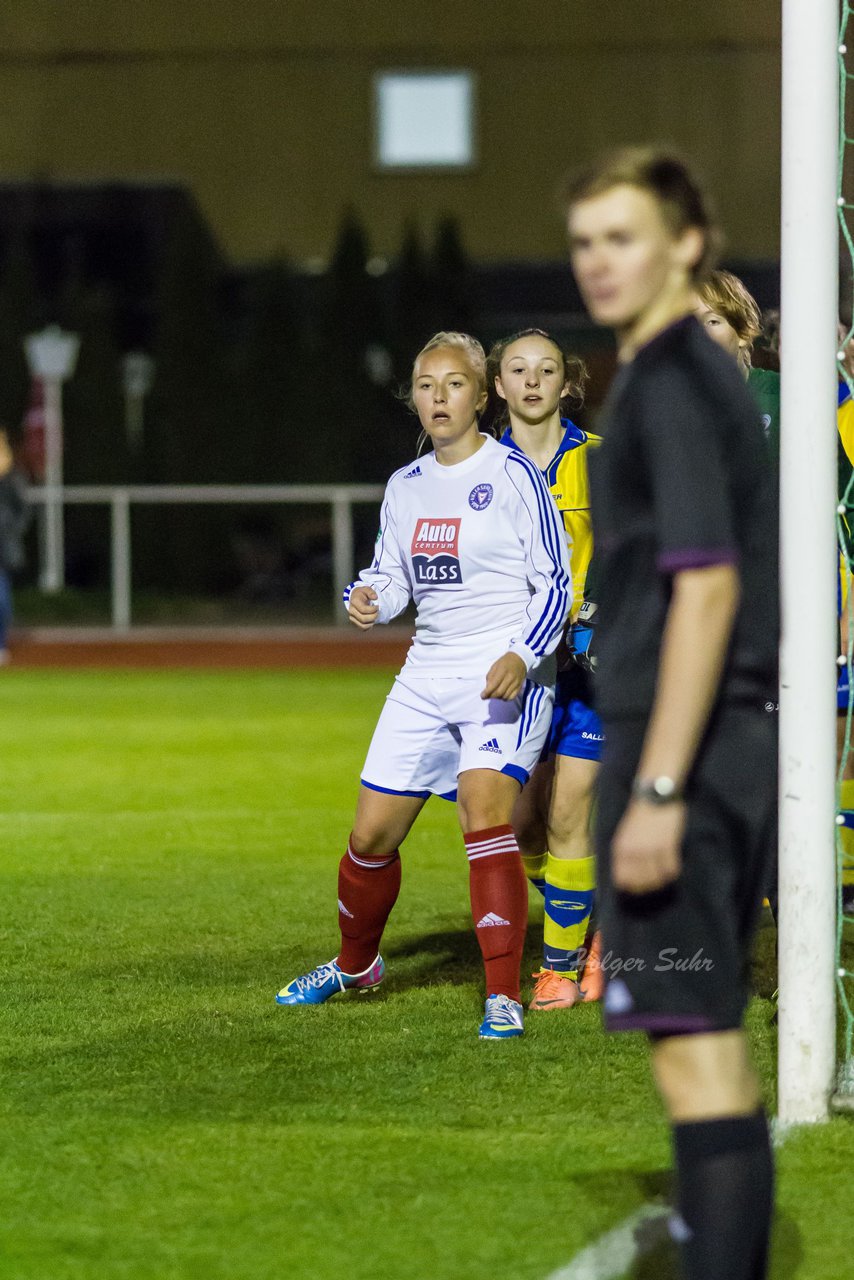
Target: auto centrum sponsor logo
column 435, row 551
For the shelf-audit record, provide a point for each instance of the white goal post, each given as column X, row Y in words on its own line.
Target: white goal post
column 809, row 306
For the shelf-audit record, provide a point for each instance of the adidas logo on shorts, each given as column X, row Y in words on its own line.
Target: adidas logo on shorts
column 490, row 919
column 492, row 745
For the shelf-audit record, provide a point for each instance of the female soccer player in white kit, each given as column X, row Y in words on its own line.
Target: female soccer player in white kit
column 471, row 534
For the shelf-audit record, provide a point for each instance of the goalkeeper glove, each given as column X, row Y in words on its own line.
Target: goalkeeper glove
column 582, row 635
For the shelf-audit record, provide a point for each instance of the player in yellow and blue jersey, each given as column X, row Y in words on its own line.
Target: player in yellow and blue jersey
column 532, row 375
column 845, row 467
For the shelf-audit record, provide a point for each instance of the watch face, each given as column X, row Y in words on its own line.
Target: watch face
column 659, row 790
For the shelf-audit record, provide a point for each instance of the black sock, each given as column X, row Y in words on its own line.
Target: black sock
column 726, row 1187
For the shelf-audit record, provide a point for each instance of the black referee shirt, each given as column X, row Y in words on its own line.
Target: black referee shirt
column 681, row 481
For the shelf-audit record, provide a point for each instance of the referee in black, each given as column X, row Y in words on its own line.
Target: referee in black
column 684, row 518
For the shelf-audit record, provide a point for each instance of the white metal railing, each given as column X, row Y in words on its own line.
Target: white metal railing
column 119, row 498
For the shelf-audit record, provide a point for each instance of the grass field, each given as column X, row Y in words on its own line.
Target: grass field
column 169, row 845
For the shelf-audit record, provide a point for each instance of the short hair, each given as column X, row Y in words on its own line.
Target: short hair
column 730, row 298
column 667, row 178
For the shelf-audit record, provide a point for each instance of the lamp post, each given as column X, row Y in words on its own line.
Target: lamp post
column 51, row 356
column 137, row 377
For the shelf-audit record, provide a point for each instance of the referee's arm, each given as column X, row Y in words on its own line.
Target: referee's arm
column 696, row 637
column 646, row 847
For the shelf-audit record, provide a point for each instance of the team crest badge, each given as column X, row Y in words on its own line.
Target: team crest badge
column 480, row 497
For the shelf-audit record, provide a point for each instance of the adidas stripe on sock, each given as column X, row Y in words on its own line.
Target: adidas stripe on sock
column 499, row 904
column 367, row 891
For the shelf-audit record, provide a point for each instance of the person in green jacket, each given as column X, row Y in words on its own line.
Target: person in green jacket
column 730, row 316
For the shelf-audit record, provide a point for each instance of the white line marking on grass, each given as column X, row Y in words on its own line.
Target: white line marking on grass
column 613, row 1253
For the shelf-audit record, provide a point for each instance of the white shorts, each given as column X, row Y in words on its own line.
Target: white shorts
column 431, row 730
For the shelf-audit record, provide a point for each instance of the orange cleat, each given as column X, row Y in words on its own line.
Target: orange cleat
column 553, row 991
column 592, row 980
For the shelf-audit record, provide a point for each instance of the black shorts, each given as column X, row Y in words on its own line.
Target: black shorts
column 676, row 961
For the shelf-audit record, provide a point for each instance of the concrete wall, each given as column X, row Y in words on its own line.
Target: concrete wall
column 264, row 107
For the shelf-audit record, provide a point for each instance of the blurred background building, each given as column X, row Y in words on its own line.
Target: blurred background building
column 276, row 203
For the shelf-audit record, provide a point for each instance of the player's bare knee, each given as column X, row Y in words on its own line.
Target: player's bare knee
column 482, row 815
column 372, row 843
column 571, row 807
column 485, row 798
column 529, row 813
column 531, row 834
column 569, row 829
column 568, row 836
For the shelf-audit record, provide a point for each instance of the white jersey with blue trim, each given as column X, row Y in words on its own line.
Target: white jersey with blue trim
column 480, row 548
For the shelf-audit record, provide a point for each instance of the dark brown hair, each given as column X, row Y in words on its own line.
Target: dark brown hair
column 574, row 373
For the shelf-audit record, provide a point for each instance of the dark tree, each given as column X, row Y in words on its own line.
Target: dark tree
column 189, row 434
column 413, row 309
column 271, row 367
column 355, row 434
column 452, row 281
column 95, row 443
column 19, row 315
column 96, row 447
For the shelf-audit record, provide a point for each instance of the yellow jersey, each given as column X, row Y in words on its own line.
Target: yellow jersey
column 566, row 476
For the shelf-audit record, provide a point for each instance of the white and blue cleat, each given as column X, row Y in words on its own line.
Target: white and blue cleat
column 327, row 980
column 503, row 1019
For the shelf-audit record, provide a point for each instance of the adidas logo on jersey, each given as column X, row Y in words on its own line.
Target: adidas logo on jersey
column 492, row 745
column 489, row 920
column 410, row 475
column 344, row 911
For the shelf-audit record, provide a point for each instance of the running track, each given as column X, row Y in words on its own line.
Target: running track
column 156, row 647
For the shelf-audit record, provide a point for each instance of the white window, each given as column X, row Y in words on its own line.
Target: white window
column 424, row 119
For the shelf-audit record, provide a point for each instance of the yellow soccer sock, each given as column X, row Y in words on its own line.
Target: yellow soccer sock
column 569, row 894
column 535, row 869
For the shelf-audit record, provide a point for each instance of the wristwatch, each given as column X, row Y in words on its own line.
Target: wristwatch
column 660, row 790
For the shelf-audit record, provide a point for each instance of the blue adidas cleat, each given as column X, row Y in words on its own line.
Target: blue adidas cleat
column 502, row 1019
column 327, row 980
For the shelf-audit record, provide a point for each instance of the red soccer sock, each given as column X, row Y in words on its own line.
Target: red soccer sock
column 499, row 906
column 367, row 890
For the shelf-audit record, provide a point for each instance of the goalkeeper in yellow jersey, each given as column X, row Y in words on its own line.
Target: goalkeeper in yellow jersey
column 532, row 376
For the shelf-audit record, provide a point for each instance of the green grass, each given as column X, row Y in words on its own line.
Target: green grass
column 168, row 852
column 91, row 607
